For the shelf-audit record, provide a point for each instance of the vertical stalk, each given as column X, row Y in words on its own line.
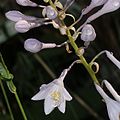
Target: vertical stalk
column 83, row 60
column 7, row 101
column 20, row 106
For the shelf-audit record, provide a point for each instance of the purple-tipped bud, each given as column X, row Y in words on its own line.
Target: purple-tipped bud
column 32, row 45
column 26, row 3
column 51, row 12
column 22, row 26
column 88, row 33
column 16, row 16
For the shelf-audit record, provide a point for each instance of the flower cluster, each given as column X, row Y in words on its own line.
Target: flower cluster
column 54, row 13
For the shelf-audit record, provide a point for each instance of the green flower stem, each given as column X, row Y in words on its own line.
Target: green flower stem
column 6, row 99
column 83, row 60
column 20, row 106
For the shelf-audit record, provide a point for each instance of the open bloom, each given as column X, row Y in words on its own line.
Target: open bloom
column 113, row 106
column 55, row 94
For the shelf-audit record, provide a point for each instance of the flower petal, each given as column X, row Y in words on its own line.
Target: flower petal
column 113, row 59
column 112, row 91
column 67, row 96
column 40, row 95
column 101, row 92
column 62, row 106
column 113, row 108
column 48, row 105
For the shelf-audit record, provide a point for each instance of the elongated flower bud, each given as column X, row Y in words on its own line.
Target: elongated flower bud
column 51, row 12
column 22, row 26
column 34, row 46
column 88, row 33
column 93, row 4
column 15, row 16
column 110, row 6
column 26, row 3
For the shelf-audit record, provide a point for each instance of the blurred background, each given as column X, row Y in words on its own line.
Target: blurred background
column 32, row 70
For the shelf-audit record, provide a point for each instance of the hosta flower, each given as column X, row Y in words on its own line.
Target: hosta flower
column 113, row 106
column 93, row 4
column 55, row 94
column 109, row 6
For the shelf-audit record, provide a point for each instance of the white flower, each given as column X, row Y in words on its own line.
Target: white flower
column 113, row 106
column 55, row 94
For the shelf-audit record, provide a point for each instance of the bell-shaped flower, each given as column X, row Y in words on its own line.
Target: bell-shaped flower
column 113, row 106
column 55, row 94
column 93, row 4
column 26, row 3
column 50, row 12
column 88, row 33
column 34, row 45
column 109, row 6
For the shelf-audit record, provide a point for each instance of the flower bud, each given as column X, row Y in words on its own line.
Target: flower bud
column 110, row 6
column 51, row 12
column 88, row 33
column 26, row 3
column 33, row 45
column 15, row 16
column 22, row 26
column 93, row 4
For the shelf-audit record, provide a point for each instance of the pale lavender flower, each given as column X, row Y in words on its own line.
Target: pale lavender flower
column 93, row 4
column 55, row 94
column 109, row 6
column 113, row 106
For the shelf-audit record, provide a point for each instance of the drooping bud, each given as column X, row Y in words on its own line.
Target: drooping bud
column 26, row 3
column 34, row 46
column 93, row 4
column 88, row 33
column 51, row 13
column 110, row 6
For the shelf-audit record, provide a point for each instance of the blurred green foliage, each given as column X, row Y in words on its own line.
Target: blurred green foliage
column 29, row 73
